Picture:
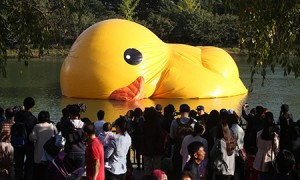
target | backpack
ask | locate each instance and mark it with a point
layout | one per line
(18, 135)
(182, 131)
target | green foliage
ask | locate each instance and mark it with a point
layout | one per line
(269, 31)
(127, 8)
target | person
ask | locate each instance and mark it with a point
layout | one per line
(99, 123)
(153, 139)
(63, 119)
(226, 144)
(6, 149)
(72, 131)
(161, 175)
(285, 163)
(158, 108)
(40, 134)
(199, 130)
(202, 115)
(138, 121)
(287, 131)
(197, 154)
(2, 116)
(106, 137)
(238, 133)
(179, 129)
(116, 153)
(25, 170)
(94, 154)
(168, 117)
(186, 175)
(267, 145)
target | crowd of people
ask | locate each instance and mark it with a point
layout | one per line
(188, 144)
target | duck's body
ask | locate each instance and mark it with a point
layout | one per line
(122, 60)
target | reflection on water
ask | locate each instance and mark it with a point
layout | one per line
(41, 81)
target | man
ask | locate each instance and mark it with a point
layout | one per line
(99, 123)
(197, 153)
(94, 154)
(158, 108)
(180, 128)
(25, 116)
(72, 131)
(202, 115)
(285, 163)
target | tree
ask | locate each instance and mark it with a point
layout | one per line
(270, 30)
(127, 8)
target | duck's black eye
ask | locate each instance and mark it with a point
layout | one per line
(133, 56)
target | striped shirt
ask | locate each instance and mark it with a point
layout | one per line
(5, 128)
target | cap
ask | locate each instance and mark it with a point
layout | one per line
(199, 108)
(161, 175)
(184, 108)
(158, 107)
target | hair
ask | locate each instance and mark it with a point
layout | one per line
(184, 108)
(198, 129)
(169, 110)
(285, 161)
(122, 124)
(194, 147)
(259, 110)
(107, 127)
(225, 132)
(9, 113)
(86, 120)
(74, 110)
(44, 116)
(158, 107)
(89, 128)
(28, 103)
(130, 114)
(100, 114)
(268, 129)
(193, 114)
(232, 119)
(186, 174)
(1, 111)
(284, 108)
(138, 112)
(65, 113)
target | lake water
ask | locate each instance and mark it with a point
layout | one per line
(40, 80)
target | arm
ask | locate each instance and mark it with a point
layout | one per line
(110, 149)
(96, 169)
(33, 135)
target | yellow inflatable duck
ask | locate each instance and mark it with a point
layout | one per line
(122, 60)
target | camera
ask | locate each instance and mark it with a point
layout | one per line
(246, 105)
(82, 107)
(17, 109)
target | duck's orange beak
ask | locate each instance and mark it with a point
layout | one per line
(134, 91)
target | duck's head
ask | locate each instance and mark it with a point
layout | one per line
(111, 55)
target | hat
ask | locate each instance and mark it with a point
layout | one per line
(199, 108)
(158, 107)
(161, 175)
(184, 108)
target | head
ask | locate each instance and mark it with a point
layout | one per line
(130, 114)
(28, 103)
(193, 114)
(186, 175)
(200, 110)
(107, 127)
(100, 115)
(74, 111)
(268, 127)
(285, 162)
(259, 110)
(121, 125)
(284, 108)
(65, 113)
(184, 110)
(158, 107)
(138, 112)
(86, 120)
(44, 116)
(9, 113)
(161, 175)
(199, 129)
(196, 151)
(89, 129)
(232, 119)
(169, 110)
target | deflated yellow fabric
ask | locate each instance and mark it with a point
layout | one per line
(122, 60)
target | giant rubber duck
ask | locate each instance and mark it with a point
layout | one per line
(122, 60)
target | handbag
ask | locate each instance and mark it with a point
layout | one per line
(50, 146)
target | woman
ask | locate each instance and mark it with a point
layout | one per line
(199, 129)
(154, 141)
(40, 134)
(267, 143)
(226, 144)
(117, 151)
(137, 123)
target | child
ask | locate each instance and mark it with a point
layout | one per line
(106, 136)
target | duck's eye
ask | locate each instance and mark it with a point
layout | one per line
(133, 56)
